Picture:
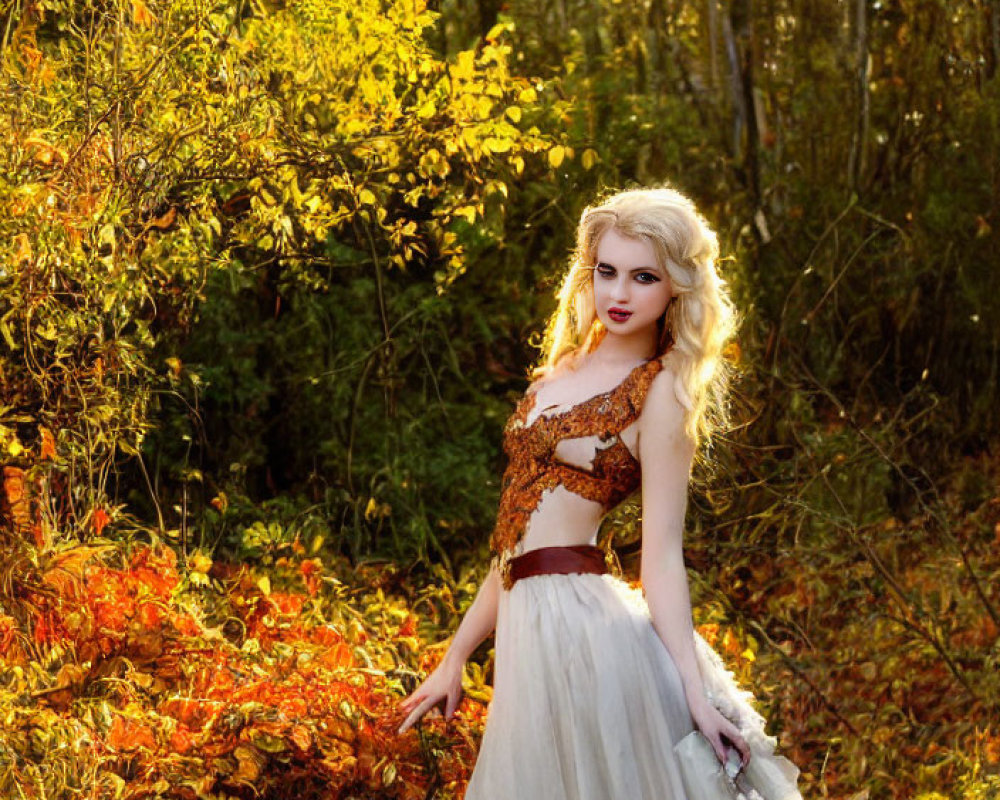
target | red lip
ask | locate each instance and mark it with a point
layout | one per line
(619, 314)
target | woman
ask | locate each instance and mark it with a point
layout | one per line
(601, 693)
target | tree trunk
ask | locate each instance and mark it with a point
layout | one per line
(735, 82)
(713, 43)
(857, 160)
(994, 38)
(737, 27)
(489, 10)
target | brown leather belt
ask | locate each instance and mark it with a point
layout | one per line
(558, 561)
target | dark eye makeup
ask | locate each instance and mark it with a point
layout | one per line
(607, 271)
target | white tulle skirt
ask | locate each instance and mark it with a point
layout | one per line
(588, 705)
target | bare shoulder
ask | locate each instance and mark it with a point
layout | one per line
(662, 416)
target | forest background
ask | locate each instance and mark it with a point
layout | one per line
(271, 277)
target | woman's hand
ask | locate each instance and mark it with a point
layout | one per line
(715, 726)
(444, 683)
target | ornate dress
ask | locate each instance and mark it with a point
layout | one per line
(587, 701)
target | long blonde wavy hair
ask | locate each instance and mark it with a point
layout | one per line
(699, 320)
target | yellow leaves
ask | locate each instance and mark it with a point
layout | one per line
(483, 107)
(466, 212)
(43, 152)
(514, 113)
(370, 89)
(264, 584)
(375, 510)
(199, 562)
(469, 137)
(557, 154)
(291, 191)
(354, 125)
(464, 67)
(7, 335)
(589, 158)
(499, 29)
(47, 331)
(367, 198)
(433, 163)
(495, 187)
(199, 565)
(527, 96)
(495, 144)
(141, 15)
(23, 251)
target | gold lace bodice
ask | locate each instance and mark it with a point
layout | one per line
(533, 466)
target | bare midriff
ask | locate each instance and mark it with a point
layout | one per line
(568, 467)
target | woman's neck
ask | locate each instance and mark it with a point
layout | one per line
(620, 349)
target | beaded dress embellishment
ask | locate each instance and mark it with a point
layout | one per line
(533, 466)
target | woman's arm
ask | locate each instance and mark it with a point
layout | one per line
(445, 682)
(478, 622)
(666, 454)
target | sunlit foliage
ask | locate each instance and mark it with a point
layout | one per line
(268, 274)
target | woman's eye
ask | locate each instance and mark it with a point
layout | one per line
(609, 272)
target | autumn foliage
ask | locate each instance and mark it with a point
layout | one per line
(287, 694)
(131, 674)
(269, 275)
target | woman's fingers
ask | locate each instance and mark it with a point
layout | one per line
(435, 690)
(425, 705)
(406, 702)
(733, 736)
(417, 695)
(740, 744)
(454, 698)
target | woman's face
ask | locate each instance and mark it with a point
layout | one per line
(627, 278)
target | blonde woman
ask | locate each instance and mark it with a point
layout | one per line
(603, 692)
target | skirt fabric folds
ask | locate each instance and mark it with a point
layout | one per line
(588, 705)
